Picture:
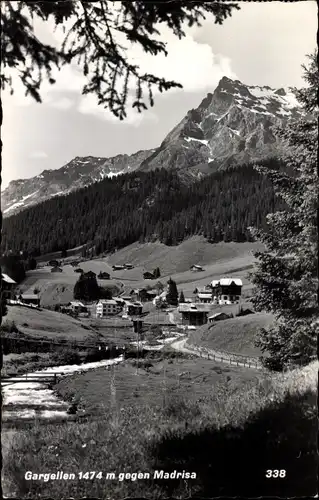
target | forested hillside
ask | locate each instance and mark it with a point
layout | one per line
(144, 206)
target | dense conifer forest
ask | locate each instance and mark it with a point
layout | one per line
(146, 206)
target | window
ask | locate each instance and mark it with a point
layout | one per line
(225, 297)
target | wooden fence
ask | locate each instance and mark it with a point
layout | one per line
(225, 357)
(48, 378)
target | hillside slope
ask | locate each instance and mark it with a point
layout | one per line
(235, 335)
(146, 206)
(47, 324)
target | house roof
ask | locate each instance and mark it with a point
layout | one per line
(30, 296)
(227, 282)
(76, 303)
(7, 278)
(134, 304)
(218, 314)
(107, 301)
(196, 308)
(204, 295)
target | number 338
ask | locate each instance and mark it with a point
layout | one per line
(275, 473)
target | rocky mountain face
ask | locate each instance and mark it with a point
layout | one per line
(78, 173)
(232, 126)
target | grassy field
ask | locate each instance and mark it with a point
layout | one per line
(235, 335)
(218, 260)
(156, 379)
(228, 438)
(47, 324)
(57, 288)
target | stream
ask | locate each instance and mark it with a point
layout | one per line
(29, 400)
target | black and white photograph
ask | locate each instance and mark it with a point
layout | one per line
(159, 249)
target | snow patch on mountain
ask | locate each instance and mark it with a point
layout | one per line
(203, 141)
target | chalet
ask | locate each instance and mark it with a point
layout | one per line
(77, 307)
(56, 269)
(128, 266)
(227, 290)
(103, 275)
(204, 295)
(160, 297)
(106, 307)
(33, 299)
(133, 308)
(195, 267)
(144, 295)
(7, 286)
(194, 314)
(218, 317)
(78, 270)
(148, 276)
(118, 268)
(53, 263)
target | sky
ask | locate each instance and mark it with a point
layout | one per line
(262, 44)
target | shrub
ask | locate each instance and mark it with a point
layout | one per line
(66, 356)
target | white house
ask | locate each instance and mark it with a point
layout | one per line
(106, 307)
(161, 296)
(227, 290)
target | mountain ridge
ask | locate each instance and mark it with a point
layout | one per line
(231, 126)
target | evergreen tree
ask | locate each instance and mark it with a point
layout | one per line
(172, 293)
(114, 211)
(32, 264)
(4, 309)
(86, 288)
(157, 273)
(105, 293)
(181, 297)
(286, 272)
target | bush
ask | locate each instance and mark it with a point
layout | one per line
(66, 356)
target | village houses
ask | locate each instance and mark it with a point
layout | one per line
(7, 286)
(227, 290)
(194, 314)
(107, 307)
(29, 298)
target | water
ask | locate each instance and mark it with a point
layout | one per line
(25, 400)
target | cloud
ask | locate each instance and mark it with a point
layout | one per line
(63, 103)
(88, 105)
(188, 62)
(38, 155)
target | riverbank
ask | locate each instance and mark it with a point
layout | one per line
(29, 400)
